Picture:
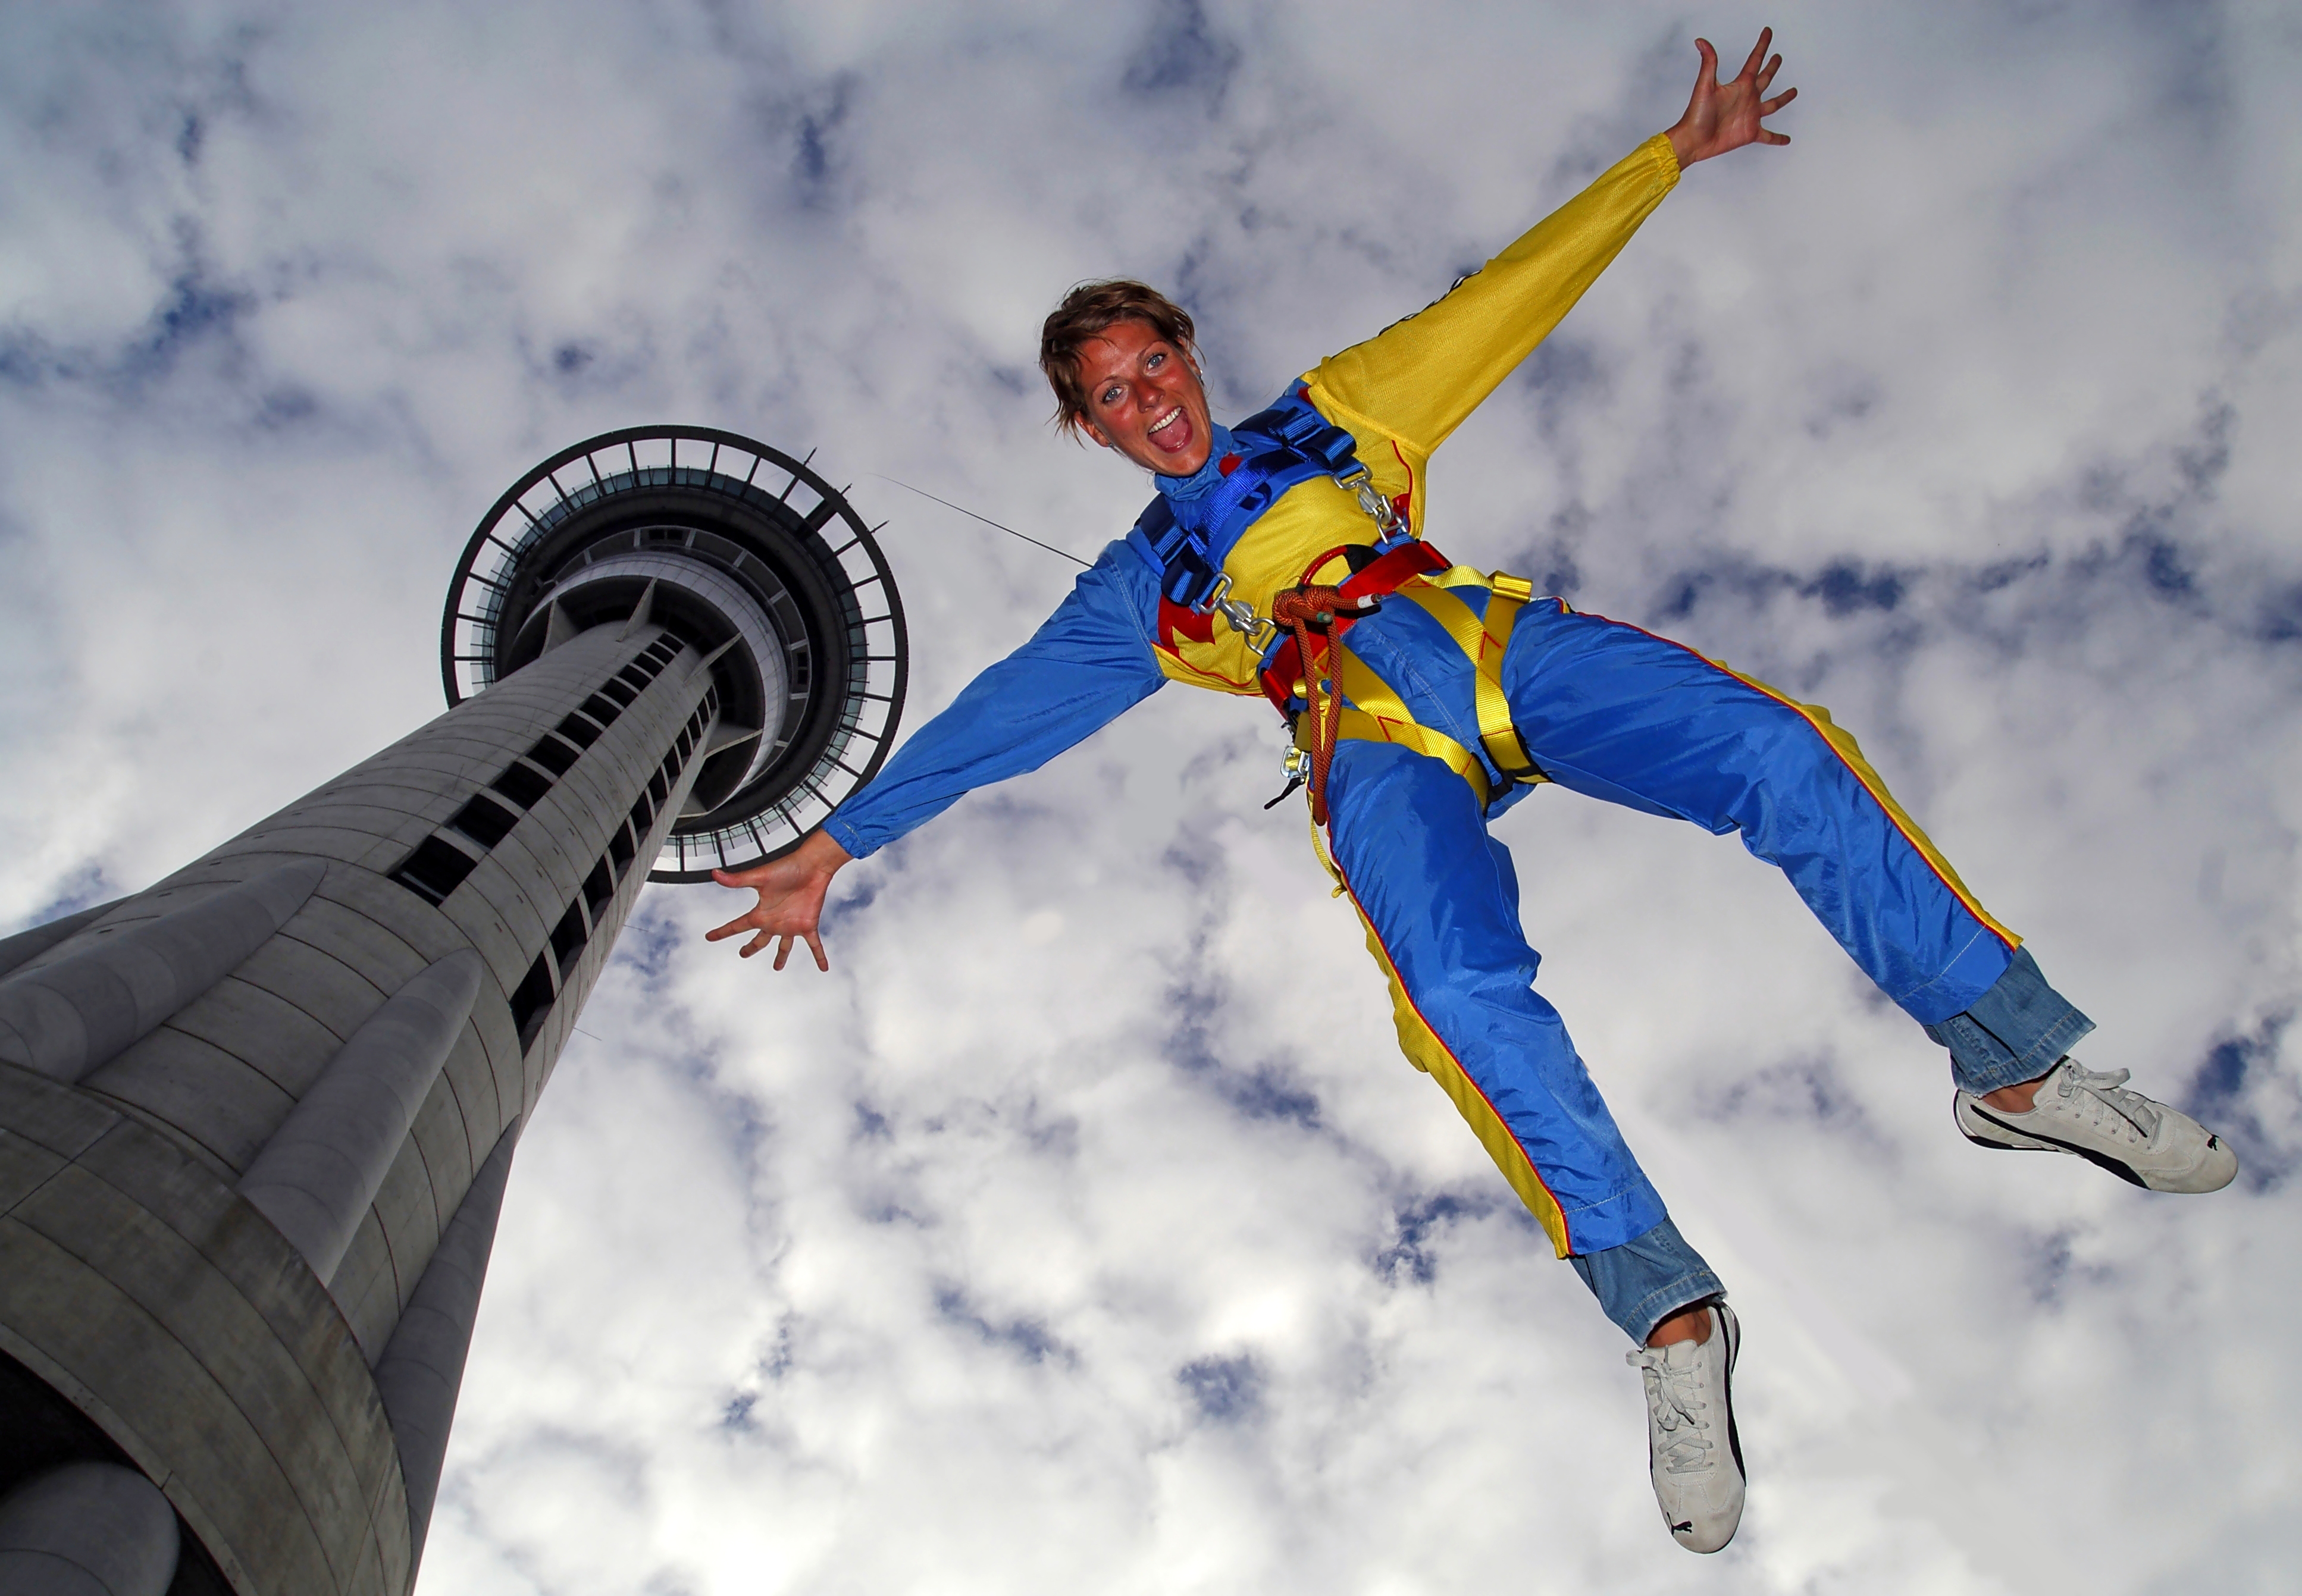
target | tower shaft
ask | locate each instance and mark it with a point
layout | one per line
(292, 1406)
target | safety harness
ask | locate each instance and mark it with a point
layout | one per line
(1305, 677)
(1317, 616)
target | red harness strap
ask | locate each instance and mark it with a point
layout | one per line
(1315, 616)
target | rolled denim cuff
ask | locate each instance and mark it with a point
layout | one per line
(1647, 1279)
(2014, 1032)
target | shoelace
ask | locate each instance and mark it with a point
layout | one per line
(1673, 1409)
(2104, 1087)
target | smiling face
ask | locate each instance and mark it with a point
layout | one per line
(1144, 399)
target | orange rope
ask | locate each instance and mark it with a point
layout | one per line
(1305, 610)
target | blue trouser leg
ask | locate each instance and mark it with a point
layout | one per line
(1440, 903)
(1608, 709)
(1616, 713)
(1613, 711)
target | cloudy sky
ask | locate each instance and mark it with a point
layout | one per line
(1082, 1230)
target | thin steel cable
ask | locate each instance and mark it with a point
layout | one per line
(987, 520)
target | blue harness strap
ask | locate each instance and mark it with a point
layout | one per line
(1186, 543)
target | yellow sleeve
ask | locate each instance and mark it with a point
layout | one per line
(1417, 378)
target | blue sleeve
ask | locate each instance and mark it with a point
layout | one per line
(1089, 663)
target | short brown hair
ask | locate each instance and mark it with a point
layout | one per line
(1087, 311)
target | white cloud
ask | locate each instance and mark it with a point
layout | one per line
(1083, 1229)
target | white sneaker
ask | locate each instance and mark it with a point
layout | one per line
(1692, 1451)
(2089, 1113)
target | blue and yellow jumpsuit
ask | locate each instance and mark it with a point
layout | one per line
(1600, 707)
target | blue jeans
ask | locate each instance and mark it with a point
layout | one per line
(2016, 1031)
(1646, 1279)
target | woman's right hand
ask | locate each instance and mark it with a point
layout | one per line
(791, 898)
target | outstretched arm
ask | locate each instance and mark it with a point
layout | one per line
(1724, 116)
(1080, 670)
(1415, 381)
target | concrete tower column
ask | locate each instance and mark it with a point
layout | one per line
(256, 1121)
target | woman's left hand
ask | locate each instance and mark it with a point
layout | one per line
(1724, 116)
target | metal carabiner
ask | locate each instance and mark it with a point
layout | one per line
(1359, 481)
(1256, 631)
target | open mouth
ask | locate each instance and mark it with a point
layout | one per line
(1173, 434)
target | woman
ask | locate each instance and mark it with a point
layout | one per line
(1281, 557)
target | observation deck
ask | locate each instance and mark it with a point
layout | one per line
(737, 549)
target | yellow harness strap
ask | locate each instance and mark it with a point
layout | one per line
(1373, 713)
(1482, 641)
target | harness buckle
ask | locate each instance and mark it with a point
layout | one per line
(1258, 631)
(1359, 481)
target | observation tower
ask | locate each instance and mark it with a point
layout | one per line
(255, 1121)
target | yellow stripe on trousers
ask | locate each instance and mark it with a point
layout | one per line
(1428, 1054)
(1842, 744)
(1376, 712)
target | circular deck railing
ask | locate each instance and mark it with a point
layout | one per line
(729, 510)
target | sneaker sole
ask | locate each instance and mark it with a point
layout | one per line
(2030, 1141)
